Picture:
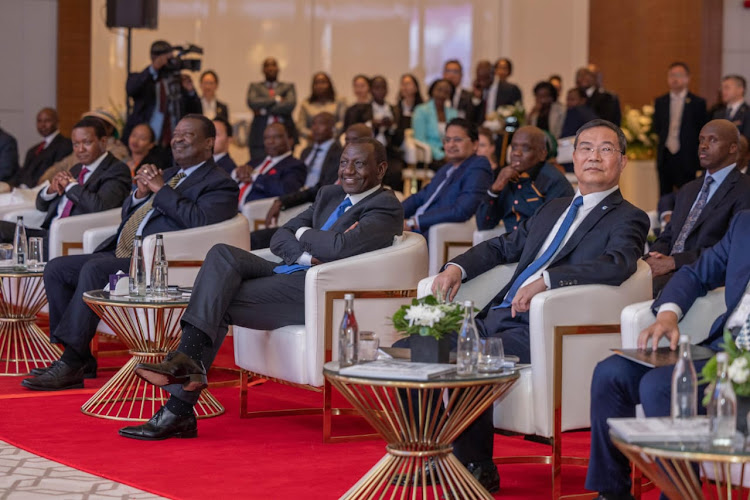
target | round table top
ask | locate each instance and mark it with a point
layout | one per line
(450, 379)
(19, 272)
(738, 452)
(173, 299)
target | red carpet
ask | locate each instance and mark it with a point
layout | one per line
(280, 458)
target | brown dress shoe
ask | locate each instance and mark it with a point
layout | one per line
(176, 368)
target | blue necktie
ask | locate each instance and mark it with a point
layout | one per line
(547, 255)
(293, 268)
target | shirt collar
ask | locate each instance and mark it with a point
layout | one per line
(277, 159)
(593, 199)
(533, 171)
(590, 91)
(356, 198)
(95, 163)
(190, 170)
(734, 107)
(219, 156)
(49, 138)
(720, 175)
(680, 95)
(323, 147)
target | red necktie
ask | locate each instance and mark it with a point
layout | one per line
(69, 204)
(40, 148)
(246, 185)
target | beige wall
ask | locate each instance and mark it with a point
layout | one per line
(345, 37)
(736, 50)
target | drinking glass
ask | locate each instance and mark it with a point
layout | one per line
(6, 254)
(491, 355)
(35, 258)
(368, 346)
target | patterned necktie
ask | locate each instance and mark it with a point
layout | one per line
(547, 255)
(40, 148)
(69, 204)
(312, 175)
(125, 244)
(293, 268)
(695, 213)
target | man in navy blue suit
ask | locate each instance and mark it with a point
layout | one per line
(194, 193)
(458, 187)
(618, 385)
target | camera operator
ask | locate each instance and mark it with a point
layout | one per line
(161, 94)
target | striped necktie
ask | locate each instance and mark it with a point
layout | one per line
(125, 244)
(695, 213)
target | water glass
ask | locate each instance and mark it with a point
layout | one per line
(491, 355)
(35, 258)
(160, 279)
(368, 346)
(6, 254)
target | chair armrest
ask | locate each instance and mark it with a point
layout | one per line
(481, 289)
(92, 238)
(32, 217)
(480, 236)
(255, 212)
(442, 237)
(290, 213)
(68, 232)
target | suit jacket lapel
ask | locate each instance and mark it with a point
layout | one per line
(719, 196)
(537, 237)
(106, 162)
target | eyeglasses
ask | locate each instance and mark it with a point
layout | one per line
(455, 140)
(604, 151)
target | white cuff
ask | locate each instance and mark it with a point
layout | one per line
(138, 201)
(547, 282)
(489, 192)
(671, 306)
(70, 185)
(463, 271)
(305, 259)
(300, 232)
(47, 197)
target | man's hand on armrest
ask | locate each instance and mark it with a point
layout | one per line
(664, 326)
(446, 284)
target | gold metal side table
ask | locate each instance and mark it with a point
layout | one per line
(670, 466)
(419, 450)
(23, 345)
(149, 328)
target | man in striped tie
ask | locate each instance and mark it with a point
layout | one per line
(239, 288)
(193, 193)
(595, 237)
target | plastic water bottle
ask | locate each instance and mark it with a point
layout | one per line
(684, 384)
(159, 269)
(348, 334)
(137, 277)
(467, 353)
(20, 244)
(722, 409)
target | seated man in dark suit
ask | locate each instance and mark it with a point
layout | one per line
(277, 174)
(239, 288)
(703, 207)
(221, 146)
(41, 156)
(618, 385)
(524, 185)
(8, 156)
(192, 194)
(594, 238)
(735, 109)
(98, 182)
(458, 187)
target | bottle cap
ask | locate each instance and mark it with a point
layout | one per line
(722, 357)
(159, 236)
(684, 339)
(468, 303)
(348, 296)
(137, 237)
(20, 218)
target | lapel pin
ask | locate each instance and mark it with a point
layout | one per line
(604, 207)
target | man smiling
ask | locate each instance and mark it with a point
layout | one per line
(349, 219)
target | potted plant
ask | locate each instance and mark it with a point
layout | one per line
(739, 373)
(429, 324)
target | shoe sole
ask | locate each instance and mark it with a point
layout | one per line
(189, 383)
(51, 389)
(179, 435)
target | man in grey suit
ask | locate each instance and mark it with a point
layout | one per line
(271, 101)
(239, 288)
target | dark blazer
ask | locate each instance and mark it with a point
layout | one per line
(105, 189)
(693, 118)
(604, 249)
(575, 118)
(222, 110)
(362, 113)
(459, 198)
(606, 105)
(207, 196)
(159, 156)
(329, 175)
(287, 176)
(263, 106)
(35, 165)
(141, 87)
(732, 196)
(507, 93)
(725, 264)
(226, 163)
(741, 118)
(466, 108)
(380, 218)
(8, 156)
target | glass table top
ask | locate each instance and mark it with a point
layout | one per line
(173, 298)
(20, 271)
(451, 377)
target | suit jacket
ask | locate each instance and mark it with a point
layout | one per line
(724, 264)
(555, 119)
(458, 199)
(106, 188)
(141, 87)
(35, 165)
(575, 118)
(226, 163)
(8, 156)
(286, 176)
(329, 175)
(263, 106)
(466, 108)
(207, 196)
(741, 118)
(507, 94)
(604, 249)
(424, 121)
(693, 118)
(606, 105)
(732, 196)
(362, 113)
(380, 218)
(222, 110)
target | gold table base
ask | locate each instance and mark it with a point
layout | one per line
(23, 345)
(150, 331)
(419, 460)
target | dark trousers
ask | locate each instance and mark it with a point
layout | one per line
(675, 170)
(617, 386)
(235, 287)
(72, 322)
(8, 231)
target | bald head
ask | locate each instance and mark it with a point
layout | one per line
(357, 131)
(718, 144)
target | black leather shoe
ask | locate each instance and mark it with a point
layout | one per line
(176, 368)
(89, 369)
(486, 474)
(163, 425)
(404, 480)
(59, 377)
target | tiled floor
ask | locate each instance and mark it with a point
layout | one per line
(24, 476)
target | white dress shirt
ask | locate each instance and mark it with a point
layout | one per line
(209, 108)
(61, 206)
(314, 170)
(676, 107)
(257, 172)
(49, 138)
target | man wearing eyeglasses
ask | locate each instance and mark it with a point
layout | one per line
(458, 187)
(595, 237)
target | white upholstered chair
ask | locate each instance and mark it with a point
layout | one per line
(415, 153)
(66, 235)
(480, 236)
(295, 354)
(255, 212)
(447, 240)
(570, 330)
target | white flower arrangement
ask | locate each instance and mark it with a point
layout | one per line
(428, 317)
(637, 125)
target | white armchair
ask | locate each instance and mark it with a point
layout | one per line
(443, 240)
(255, 212)
(32, 217)
(67, 234)
(295, 354)
(480, 236)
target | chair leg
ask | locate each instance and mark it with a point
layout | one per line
(243, 393)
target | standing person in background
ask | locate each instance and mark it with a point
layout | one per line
(430, 119)
(361, 89)
(322, 99)
(605, 104)
(735, 108)
(502, 92)
(212, 107)
(547, 114)
(461, 98)
(556, 81)
(409, 97)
